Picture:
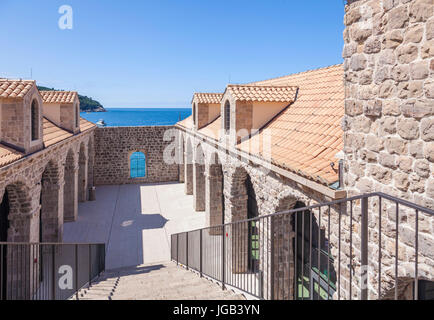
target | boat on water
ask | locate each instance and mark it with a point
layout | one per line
(101, 123)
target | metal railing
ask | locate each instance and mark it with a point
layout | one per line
(48, 271)
(350, 248)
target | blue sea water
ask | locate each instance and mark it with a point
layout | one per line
(133, 117)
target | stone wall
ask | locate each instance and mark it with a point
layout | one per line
(228, 173)
(389, 122)
(113, 147)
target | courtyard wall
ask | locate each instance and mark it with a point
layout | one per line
(114, 146)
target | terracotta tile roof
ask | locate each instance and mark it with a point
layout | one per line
(266, 93)
(58, 96)
(208, 97)
(8, 155)
(306, 136)
(213, 129)
(53, 134)
(187, 122)
(15, 88)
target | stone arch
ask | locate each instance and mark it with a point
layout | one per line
(279, 238)
(199, 179)
(82, 173)
(70, 198)
(188, 171)
(51, 213)
(214, 195)
(20, 205)
(242, 202)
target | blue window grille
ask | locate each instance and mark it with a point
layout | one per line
(138, 165)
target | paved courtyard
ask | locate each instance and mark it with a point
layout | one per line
(135, 222)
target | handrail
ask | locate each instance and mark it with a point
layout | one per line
(330, 203)
(48, 270)
(257, 252)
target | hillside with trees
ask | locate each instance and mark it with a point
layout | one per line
(86, 104)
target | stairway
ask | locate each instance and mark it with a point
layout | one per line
(164, 281)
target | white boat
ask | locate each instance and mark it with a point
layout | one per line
(101, 123)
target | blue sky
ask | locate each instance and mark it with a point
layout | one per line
(140, 53)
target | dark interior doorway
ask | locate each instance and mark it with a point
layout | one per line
(253, 230)
(4, 226)
(315, 273)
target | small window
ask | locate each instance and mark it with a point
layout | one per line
(194, 113)
(35, 120)
(227, 116)
(138, 165)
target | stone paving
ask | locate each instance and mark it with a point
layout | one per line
(135, 222)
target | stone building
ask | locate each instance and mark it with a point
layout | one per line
(317, 136)
(46, 161)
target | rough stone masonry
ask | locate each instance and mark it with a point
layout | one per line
(389, 121)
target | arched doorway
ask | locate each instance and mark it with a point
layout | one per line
(243, 205)
(188, 168)
(70, 193)
(253, 227)
(82, 174)
(315, 279)
(4, 226)
(199, 180)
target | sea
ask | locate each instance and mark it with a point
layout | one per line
(134, 117)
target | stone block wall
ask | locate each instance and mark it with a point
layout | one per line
(113, 147)
(389, 120)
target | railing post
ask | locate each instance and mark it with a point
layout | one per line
(90, 265)
(177, 249)
(200, 254)
(53, 276)
(76, 271)
(364, 249)
(186, 242)
(223, 256)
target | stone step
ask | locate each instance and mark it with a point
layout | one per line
(150, 283)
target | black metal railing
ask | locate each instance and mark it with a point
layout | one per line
(48, 271)
(350, 248)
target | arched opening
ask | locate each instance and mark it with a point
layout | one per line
(253, 227)
(137, 165)
(199, 180)
(82, 174)
(188, 163)
(4, 227)
(34, 118)
(243, 200)
(316, 278)
(214, 190)
(51, 214)
(70, 193)
(227, 114)
(16, 215)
